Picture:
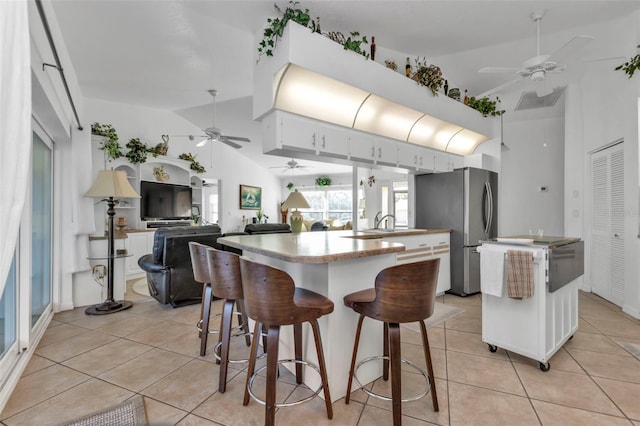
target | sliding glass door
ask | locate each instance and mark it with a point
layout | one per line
(41, 224)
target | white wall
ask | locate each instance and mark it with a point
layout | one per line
(535, 159)
(220, 161)
(603, 108)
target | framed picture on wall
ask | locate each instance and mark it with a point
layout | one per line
(250, 197)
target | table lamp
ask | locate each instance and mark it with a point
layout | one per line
(296, 201)
(110, 185)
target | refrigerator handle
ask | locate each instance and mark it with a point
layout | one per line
(488, 207)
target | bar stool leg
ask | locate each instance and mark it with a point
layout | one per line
(385, 351)
(297, 339)
(257, 330)
(427, 357)
(243, 320)
(353, 358)
(225, 338)
(323, 368)
(205, 311)
(273, 339)
(396, 379)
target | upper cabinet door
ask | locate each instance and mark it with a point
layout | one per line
(426, 159)
(361, 147)
(407, 156)
(386, 151)
(332, 141)
(298, 133)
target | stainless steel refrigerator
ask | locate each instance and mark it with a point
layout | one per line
(465, 201)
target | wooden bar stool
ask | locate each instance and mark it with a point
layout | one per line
(226, 283)
(201, 274)
(273, 300)
(402, 293)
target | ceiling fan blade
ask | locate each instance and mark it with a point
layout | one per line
(224, 140)
(499, 70)
(237, 138)
(570, 48)
(499, 88)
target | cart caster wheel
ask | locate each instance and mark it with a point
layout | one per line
(492, 348)
(544, 366)
(571, 337)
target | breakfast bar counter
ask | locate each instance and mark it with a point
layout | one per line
(333, 264)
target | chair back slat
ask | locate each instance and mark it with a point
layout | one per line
(405, 293)
(269, 294)
(224, 269)
(199, 262)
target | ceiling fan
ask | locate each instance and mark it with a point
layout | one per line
(291, 165)
(537, 67)
(215, 134)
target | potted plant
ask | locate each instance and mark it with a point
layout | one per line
(110, 145)
(486, 106)
(276, 26)
(195, 166)
(290, 186)
(138, 151)
(160, 174)
(428, 75)
(323, 181)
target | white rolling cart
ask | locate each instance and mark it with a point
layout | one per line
(535, 327)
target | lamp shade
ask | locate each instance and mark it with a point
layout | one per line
(295, 201)
(112, 183)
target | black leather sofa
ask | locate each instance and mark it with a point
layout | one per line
(168, 268)
(267, 228)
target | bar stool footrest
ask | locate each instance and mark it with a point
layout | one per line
(386, 398)
(217, 348)
(199, 324)
(285, 404)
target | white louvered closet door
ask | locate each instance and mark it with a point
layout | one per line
(607, 231)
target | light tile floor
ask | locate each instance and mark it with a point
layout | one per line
(87, 363)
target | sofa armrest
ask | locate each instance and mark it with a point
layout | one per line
(146, 264)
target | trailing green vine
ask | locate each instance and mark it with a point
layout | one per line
(276, 26)
(486, 106)
(631, 66)
(138, 151)
(195, 166)
(323, 181)
(111, 146)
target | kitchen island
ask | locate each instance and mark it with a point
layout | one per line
(333, 264)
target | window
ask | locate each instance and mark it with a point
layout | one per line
(401, 204)
(332, 203)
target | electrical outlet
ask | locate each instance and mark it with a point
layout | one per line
(99, 271)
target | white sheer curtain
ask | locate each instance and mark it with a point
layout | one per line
(15, 125)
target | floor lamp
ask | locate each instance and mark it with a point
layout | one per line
(110, 185)
(296, 201)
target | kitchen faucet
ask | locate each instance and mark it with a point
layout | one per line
(377, 221)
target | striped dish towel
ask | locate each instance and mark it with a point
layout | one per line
(519, 274)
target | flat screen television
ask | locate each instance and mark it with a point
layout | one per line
(164, 201)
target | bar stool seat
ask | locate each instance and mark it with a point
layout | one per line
(273, 300)
(402, 293)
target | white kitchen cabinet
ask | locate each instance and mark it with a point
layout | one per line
(297, 133)
(138, 244)
(361, 147)
(407, 155)
(385, 151)
(426, 159)
(424, 247)
(332, 141)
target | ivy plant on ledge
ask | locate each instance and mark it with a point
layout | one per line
(111, 146)
(195, 166)
(487, 107)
